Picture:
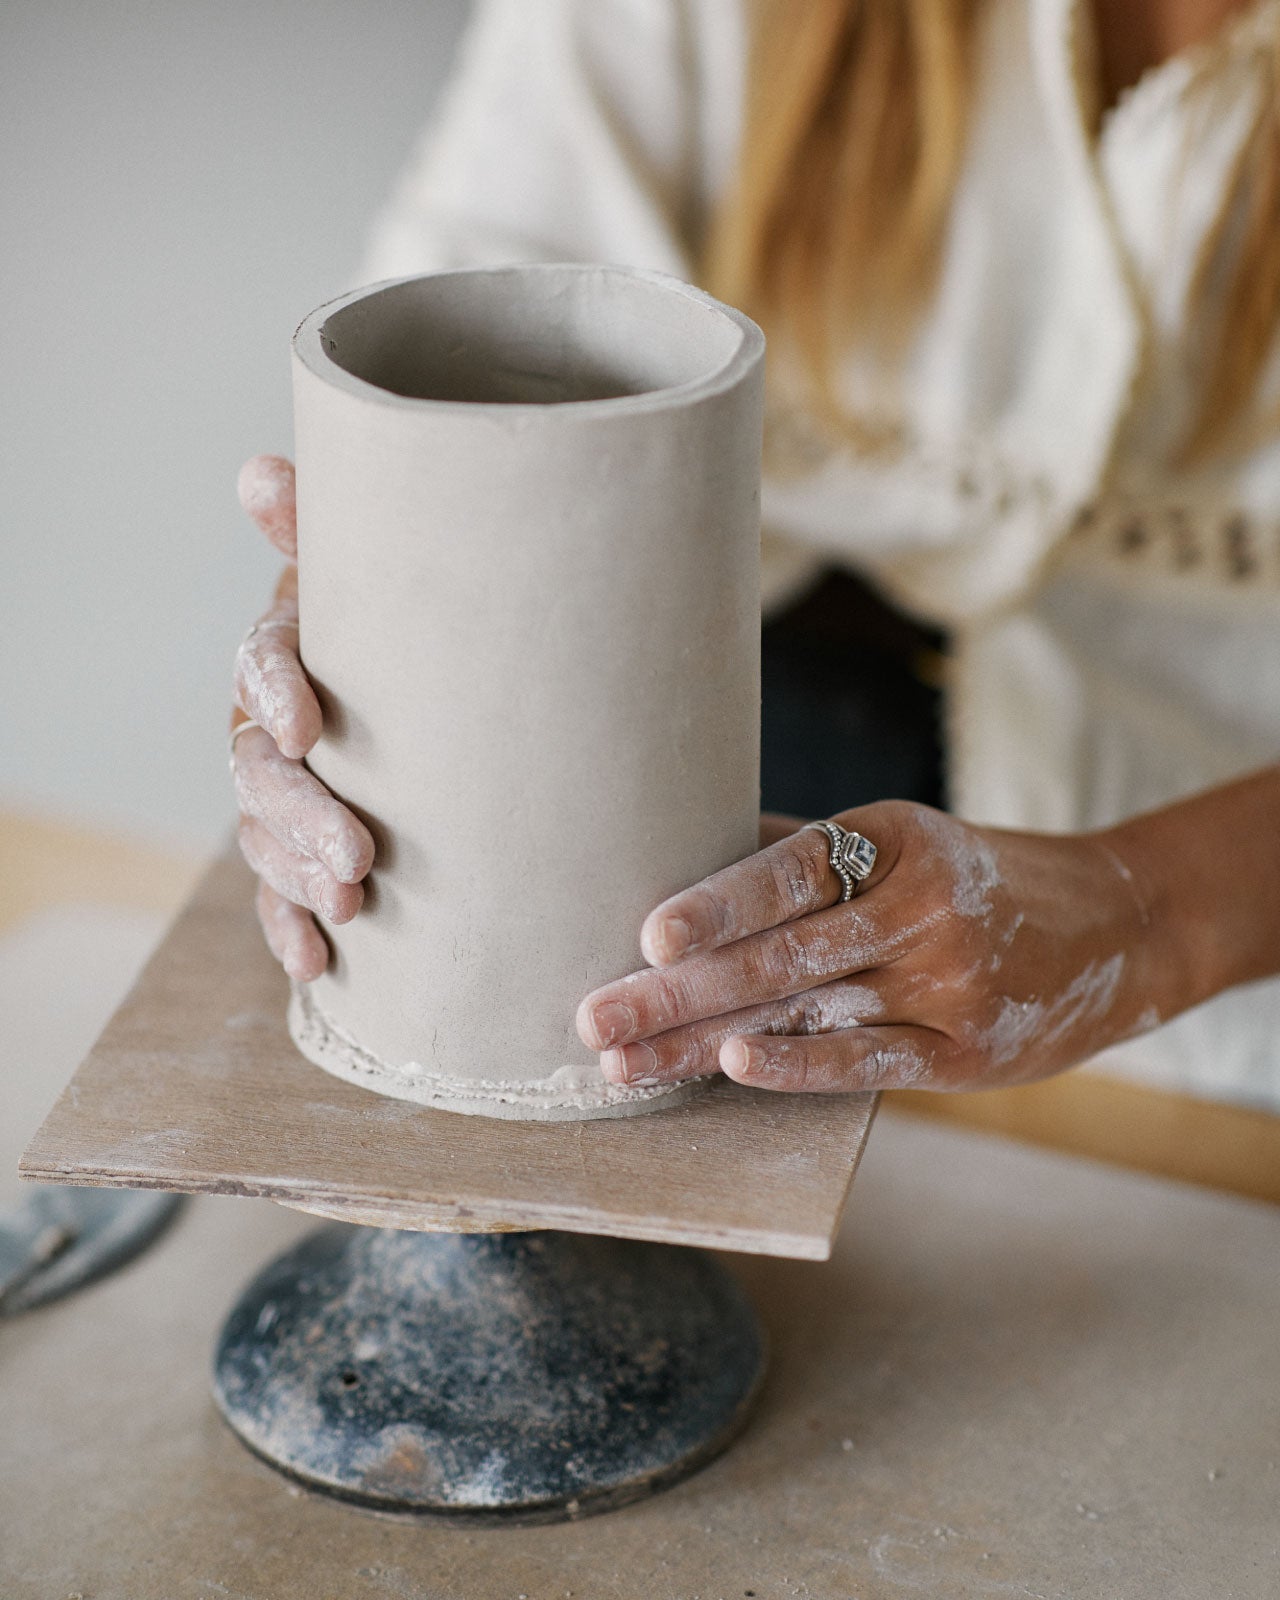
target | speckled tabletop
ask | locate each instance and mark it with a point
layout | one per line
(1020, 1374)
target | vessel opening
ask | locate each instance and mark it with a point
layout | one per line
(530, 336)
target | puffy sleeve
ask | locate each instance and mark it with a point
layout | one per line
(582, 130)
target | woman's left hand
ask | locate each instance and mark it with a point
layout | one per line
(969, 958)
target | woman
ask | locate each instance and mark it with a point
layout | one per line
(1020, 266)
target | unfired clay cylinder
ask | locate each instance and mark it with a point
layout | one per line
(528, 559)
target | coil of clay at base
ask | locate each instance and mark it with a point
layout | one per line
(570, 1093)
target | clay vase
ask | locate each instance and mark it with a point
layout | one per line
(528, 560)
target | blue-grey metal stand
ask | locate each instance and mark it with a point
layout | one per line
(516, 1376)
(56, 1240)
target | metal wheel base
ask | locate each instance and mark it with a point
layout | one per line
(516, 1376)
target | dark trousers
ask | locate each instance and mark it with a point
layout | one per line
(852, 707)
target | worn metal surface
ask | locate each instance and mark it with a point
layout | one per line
(534, 1377)
(55, 1240)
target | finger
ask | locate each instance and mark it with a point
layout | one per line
(291, 935)
(268, 492)
(694, 1051)
(831, 944)
(788, 879)
(298, 878)
(297, 808)
(844, 1062)
(270, 685)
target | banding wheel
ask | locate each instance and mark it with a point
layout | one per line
(503, 1376)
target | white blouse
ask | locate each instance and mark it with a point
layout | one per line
(1116, 616)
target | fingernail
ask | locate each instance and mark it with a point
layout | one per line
(635, 1064)
(612, 1022)
(738, 1059)
(263, 482)
(677, 938)
(334, 905)
(341, 856)
(295, 962)
(288, 739)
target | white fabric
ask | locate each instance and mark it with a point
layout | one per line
(1117, 616)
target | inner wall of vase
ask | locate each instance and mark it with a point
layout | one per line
(541, 337)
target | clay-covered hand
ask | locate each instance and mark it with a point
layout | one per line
(309, 851)
(970, 957)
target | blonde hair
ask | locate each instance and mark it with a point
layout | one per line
(857, 112)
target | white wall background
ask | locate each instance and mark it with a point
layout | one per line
(180, 184)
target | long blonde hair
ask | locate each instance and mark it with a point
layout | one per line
(855, 127)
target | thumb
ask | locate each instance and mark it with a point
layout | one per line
(267, 493)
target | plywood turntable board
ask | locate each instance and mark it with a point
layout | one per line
(196, 1086)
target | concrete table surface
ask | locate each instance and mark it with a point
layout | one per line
(1020, 1374)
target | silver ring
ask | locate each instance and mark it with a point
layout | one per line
(851, 856)
(240, 727)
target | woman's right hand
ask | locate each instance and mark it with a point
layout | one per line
(309, 851)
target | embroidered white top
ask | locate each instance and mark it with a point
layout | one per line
(1116, 615)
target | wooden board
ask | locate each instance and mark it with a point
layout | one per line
(195, 1085)
(1133, 1125)
(1087, 1112)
